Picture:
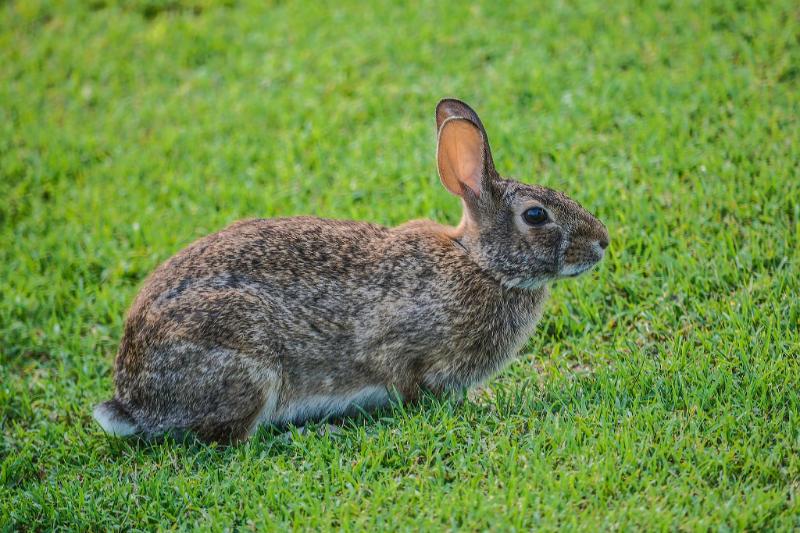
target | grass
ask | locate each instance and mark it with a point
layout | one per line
(659, 392)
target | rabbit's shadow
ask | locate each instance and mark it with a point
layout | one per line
(271, 440)
(506, 398)
(526, 403)
(184, 451)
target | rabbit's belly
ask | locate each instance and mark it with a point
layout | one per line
(321, 406)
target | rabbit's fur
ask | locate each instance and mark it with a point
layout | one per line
(288, 320)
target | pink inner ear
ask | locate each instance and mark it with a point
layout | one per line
(460, 156)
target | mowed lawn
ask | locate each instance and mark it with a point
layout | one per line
(659, 392)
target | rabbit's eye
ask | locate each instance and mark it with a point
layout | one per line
(535, 216)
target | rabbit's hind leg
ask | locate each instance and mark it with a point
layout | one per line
(243, 401)
(216, 392)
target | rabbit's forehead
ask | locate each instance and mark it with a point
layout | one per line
(522, 195)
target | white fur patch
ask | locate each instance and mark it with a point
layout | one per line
(323, 405)
(531, 284)
(520, 283)
(111, 424)
(267, 414)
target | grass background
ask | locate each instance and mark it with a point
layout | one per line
(659, 392)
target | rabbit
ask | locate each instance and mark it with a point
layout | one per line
(290, 320)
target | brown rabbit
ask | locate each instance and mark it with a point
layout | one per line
(288, 320)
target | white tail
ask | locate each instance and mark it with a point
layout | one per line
(114, 420)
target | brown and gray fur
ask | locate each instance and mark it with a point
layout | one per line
(288, 320)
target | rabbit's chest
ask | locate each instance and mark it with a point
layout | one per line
(484, 343)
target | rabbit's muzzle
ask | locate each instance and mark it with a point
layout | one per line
(584, 253)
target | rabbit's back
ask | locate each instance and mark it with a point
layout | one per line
(258, 284)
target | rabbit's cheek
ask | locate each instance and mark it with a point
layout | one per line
(545, 248)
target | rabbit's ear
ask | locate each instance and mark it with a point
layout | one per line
(453, 108)
(461, 155)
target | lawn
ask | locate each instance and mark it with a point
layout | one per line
(659, 392)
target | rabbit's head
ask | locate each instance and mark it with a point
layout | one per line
(526, 235)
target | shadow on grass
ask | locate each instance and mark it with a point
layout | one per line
(273, 439)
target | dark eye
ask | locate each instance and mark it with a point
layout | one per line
(535, 216)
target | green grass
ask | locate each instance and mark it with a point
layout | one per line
(661, 391)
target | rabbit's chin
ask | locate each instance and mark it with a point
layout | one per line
(573, 271)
